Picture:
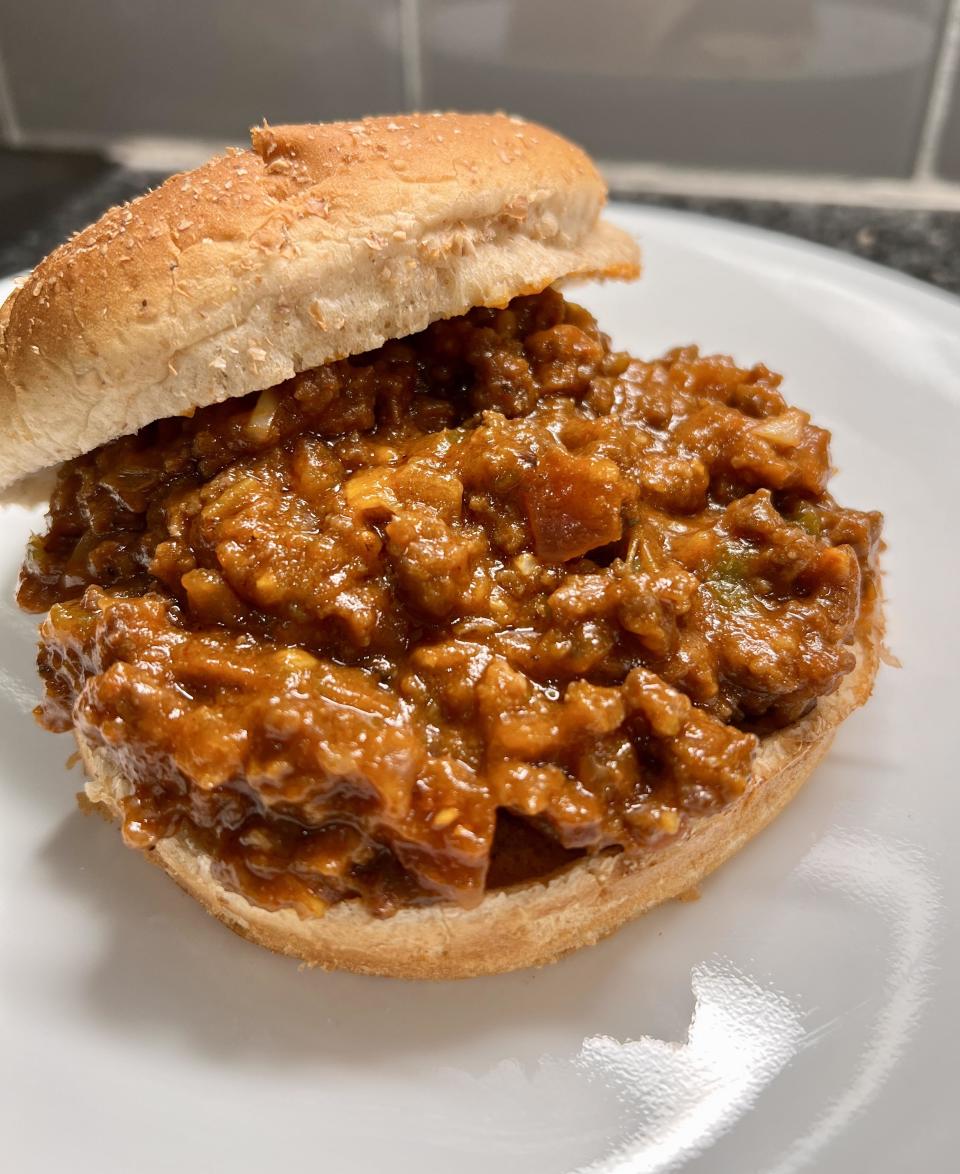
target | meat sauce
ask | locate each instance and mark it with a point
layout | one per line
(451, 613)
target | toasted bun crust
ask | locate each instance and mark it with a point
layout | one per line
(534, 923)
(317, 243)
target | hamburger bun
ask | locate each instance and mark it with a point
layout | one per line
(317, 243)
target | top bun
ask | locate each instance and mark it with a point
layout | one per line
(317, 243)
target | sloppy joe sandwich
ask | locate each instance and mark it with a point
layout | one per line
(410, 626)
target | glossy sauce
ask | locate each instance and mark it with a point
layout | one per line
(333, 629)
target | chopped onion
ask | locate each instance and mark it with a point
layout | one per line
(261, 418)
(370, 491)
(785, 430)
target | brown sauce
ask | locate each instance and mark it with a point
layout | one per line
(494, 590)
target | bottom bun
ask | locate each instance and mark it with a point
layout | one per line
(533, 923)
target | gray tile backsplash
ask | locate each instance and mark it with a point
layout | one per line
(819, 87)
(100, 69)
(802, 85)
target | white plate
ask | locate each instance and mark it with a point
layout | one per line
(800, 1016)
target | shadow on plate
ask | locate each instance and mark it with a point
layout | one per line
(166, 964)
(34, 762)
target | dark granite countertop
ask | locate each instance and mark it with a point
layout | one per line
(922, 242)
(45, 196)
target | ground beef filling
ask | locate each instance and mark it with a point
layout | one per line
(449, 614)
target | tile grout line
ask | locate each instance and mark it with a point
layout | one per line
(665, 179)
(411, 57)
(9, 123)
(941, 91)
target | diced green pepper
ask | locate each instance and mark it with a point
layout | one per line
(806, 517)
(729, 575)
